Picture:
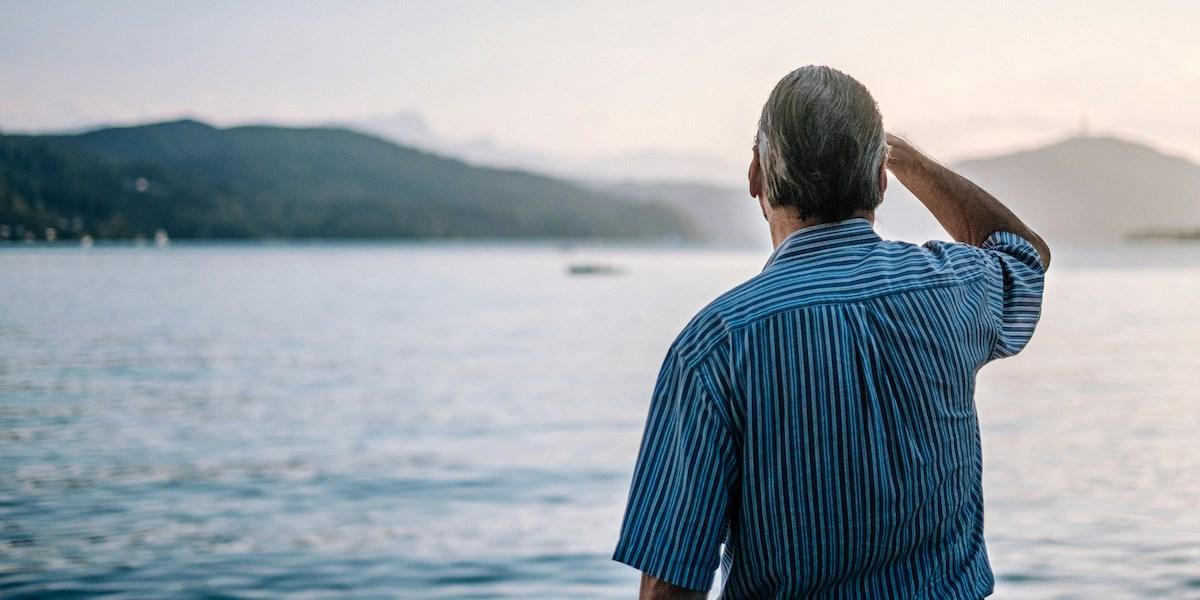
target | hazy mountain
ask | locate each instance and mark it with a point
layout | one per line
(1083, 189)
(721, 215)
(1080, 189)
(1093, 188)
(404, 128)
(409, 128)
(654, 166)
(727, 215)
(250, 182)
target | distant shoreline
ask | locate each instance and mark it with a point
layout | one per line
(565, 244)
(1171, 235)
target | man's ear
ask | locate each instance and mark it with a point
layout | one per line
(755, 176)
(882, 179)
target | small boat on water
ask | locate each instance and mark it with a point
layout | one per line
(592, 269)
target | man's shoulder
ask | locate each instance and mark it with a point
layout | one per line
(885, 268)
(711, 325)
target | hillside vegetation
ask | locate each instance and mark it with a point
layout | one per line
(198, 181)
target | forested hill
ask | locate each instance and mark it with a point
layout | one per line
(197, 181)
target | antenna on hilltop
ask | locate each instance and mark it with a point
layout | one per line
(1083, 126)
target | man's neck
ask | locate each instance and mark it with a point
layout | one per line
(785, 222)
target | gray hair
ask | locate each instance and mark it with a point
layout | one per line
(821, 144)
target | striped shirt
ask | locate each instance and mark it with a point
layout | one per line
(818, 421)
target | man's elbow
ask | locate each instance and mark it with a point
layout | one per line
(654, 588)
(1043, 251)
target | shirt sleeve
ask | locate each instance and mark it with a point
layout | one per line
(1015, 279)
(676, 514)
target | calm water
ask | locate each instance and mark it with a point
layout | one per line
(461, 421)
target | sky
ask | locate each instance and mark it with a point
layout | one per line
(593, 79)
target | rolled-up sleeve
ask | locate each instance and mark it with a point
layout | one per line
(1015, 279)
(676, 514)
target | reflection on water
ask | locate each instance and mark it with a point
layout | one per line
(441, 421)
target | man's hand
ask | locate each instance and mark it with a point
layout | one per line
(899, 152)
(654, 588)
(968, 213)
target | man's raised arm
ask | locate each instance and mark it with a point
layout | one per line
(967, 212)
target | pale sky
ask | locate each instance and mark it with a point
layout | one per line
(592, 79)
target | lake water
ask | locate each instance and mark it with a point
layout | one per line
(441, 421)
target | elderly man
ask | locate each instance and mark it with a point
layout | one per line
(818, 420)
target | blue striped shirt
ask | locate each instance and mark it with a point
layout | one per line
(818, 421)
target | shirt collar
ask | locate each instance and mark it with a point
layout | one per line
(851, 232)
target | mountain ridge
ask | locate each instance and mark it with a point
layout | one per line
(258, 181)
(261, 180)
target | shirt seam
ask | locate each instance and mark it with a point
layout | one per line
(699, 368)
(730, 327)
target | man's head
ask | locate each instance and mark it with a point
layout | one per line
(821, 150)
